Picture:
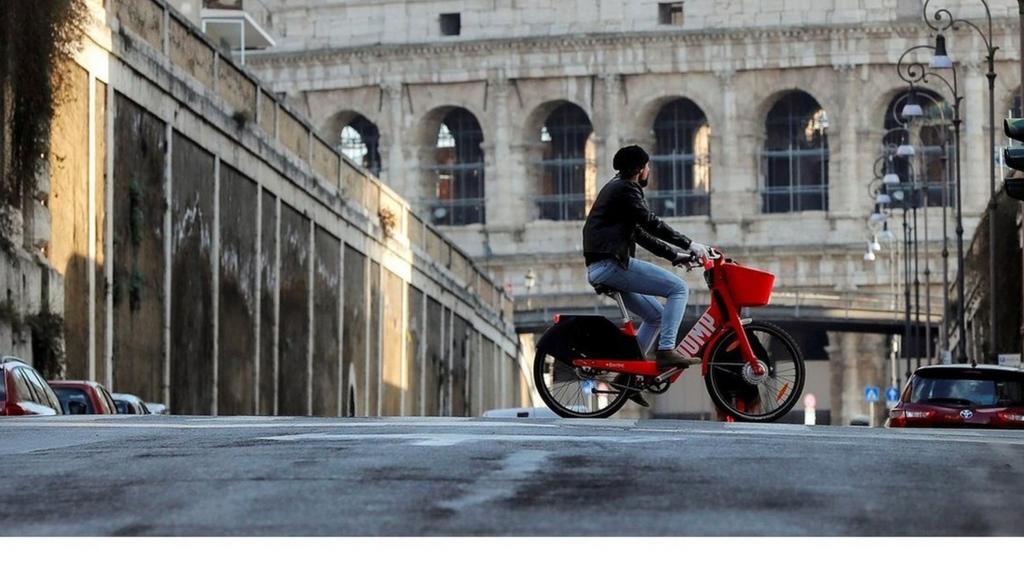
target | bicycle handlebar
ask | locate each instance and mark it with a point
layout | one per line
(693, 261)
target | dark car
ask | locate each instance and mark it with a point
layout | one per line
(83, 397)
(23, 392)
(961, 396)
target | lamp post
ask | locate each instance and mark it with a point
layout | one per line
(529, 281)
(914, 73)
(912, 114)
(943, 21)
(893, 196)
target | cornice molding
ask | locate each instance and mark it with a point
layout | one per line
(687, 38)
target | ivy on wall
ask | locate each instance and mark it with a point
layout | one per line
(37, 39)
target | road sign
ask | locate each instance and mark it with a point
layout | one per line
(871, 394)
(892, 397)
(1012, 360)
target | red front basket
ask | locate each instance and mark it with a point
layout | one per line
(748, 286)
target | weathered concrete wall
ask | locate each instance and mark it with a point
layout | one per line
(233, 274)
(460, 366)
(101, 286)
(69, 214)
(415, 338)
(327, 325)
(268, 287)
(355, 346)
(392, 345)
(436, 369)
(138, 249)
(192, 221)
(373, 369)
(293, 371)
(236, 312)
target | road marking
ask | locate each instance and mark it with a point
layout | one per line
(216, 423)
(501, 483)
(446, 439)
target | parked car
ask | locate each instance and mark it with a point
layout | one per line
(24, 392)
(962, 396)
(130, 404)
(83, 397)
(156, 408)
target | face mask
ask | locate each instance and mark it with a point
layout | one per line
(642, 182)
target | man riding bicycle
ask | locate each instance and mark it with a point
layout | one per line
(618, 221)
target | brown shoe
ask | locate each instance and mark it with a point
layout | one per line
(667, 359)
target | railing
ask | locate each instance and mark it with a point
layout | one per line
(560, 207)
(454, 211)
(673, 203)
(780, 199)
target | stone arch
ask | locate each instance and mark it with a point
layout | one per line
(357, 137)
(452, 160)
(680, 158)
(561, 158)
(932, 164)
(794, 153)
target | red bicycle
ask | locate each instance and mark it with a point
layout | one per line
(587, 367)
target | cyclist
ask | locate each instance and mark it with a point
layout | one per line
(618, 221)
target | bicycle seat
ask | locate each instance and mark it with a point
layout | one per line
(602, 289)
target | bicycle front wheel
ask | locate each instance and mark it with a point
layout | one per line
(573, 392)
(738, 391)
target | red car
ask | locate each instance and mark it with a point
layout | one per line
(961, 396)
(23, 392)
(83, 397)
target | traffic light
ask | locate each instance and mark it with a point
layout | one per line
(1014, 157)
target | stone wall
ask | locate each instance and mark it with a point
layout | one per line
(245, 267)
(367, 22)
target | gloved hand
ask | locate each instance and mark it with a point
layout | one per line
(701, 251)
(682, 258)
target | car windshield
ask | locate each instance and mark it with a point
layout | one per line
(968, 391)
(68, 395)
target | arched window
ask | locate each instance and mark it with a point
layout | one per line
(933, 164)
(794, 162)
(359, 140)
(568, 164)
(459, 170)
(681, 164)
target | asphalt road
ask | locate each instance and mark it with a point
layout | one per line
(160, 475)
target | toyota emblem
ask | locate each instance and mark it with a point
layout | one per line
(966, 414)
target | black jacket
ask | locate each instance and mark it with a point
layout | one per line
(619, 220)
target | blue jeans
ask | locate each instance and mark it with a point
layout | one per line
(639, 284)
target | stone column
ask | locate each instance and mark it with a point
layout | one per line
(607, 124)
(857, 361)
(733, 187)
(505, 200)
(844, 183)
(974, 145)
(395, 171)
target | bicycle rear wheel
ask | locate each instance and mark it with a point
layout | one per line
(573, 392)
(747, 397)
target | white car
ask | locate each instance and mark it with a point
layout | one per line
(129, 404)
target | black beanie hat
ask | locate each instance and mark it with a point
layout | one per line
(630, 159)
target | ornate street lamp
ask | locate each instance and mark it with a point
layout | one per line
(941, 21)
(914, 73)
